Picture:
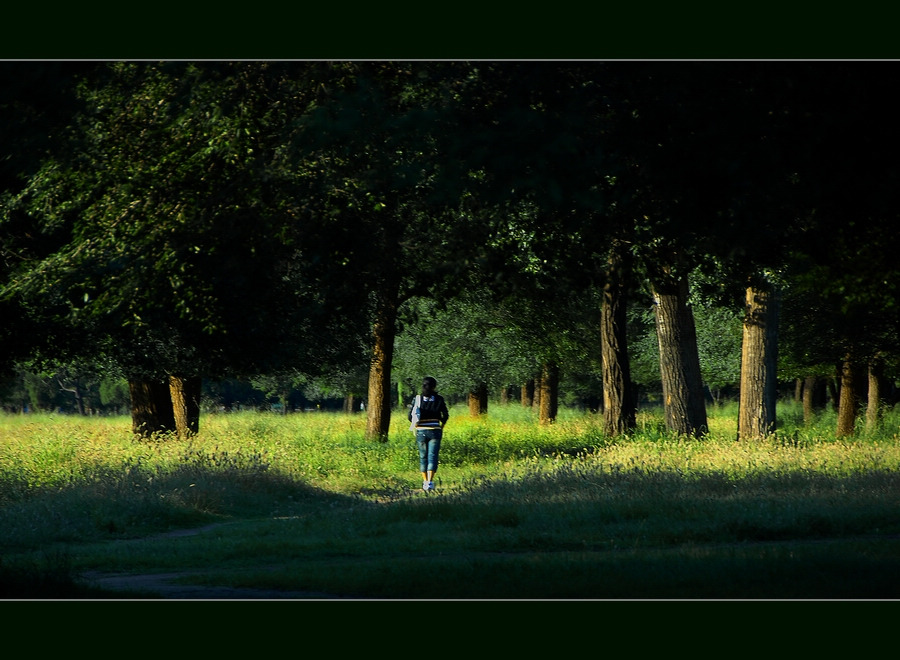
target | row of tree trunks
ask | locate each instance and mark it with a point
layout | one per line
(679, 361)
(527, 393)
(814, 395)
(817, 391)
(685, 405)
(866, 383)
(165, 406)
(758, 395)
(350, 404)
(541, 393)
(619, 404)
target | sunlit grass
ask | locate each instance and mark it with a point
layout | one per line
(310, 504)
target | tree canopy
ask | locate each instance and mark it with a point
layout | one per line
(283, 219)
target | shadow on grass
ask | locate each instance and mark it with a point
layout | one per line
(43, 528)
(573, 532)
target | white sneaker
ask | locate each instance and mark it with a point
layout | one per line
(427, 485)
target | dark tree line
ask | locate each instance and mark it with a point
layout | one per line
(177, 220)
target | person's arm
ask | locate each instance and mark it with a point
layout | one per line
(444, 413)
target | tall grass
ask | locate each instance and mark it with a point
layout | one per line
(522, 510)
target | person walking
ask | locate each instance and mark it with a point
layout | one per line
(427, 416)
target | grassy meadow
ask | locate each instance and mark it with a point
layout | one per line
(302, 504)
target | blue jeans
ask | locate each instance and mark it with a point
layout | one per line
(429, 443)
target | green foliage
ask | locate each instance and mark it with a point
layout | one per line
(463, 343)
(177, 217)
(719, 332)
(719, 335)
(114, 392)
(810, 346)
(643, 347)
(71, 388)
(475, 338)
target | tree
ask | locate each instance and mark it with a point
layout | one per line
(534, 137)
(384, 145)
(679, 358)
(844, 265)
(180, 214)
(468, 343)
(711, 152)
(759, 362)
(37, 100)
(619, 404)
(549, 402)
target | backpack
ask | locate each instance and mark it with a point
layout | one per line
(414, 413)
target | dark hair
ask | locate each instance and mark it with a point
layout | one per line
(430, 380)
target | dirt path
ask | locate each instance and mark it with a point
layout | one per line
(166, 585)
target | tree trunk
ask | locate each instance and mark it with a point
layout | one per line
(875, 396)
(349, 406)
(528, 394)
(619, 405)
(814, 395)
(538, 390)
(850, 397)
(76, 392)
(504, 395)
(185, 395)
(759, 347)
(478, 400)
(834, 388)
(151, 407)
(549, 401)
(384, 329)
(679, 359)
